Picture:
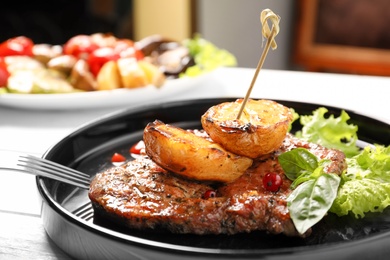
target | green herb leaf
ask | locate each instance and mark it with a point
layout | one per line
(297, 161)
(311, 200)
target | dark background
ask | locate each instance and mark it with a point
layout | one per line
(54, 22)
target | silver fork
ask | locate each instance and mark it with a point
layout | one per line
(30, 164)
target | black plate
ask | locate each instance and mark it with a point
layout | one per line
(69, 221)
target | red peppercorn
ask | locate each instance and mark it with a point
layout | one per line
(272, 182)
(210, 194)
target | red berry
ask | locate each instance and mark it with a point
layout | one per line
(210, 194)
(272, 182)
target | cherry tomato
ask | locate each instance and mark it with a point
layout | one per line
(100, 56)
(80, 46)
(20, 45)
(137, 148)
(121, 49)
(117, 157)
(126, 49)
(272, 182)
(4, 74)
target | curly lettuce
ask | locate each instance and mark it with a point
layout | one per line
(207, 56)
(366, 184)
(332, 132)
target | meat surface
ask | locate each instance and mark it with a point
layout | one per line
(142, 195)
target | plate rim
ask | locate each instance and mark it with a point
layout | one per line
(102, 98)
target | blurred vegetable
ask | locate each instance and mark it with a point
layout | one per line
(81, 77)
(17, 46)
(126, 48)
(207, 56)
(131, 65)
(37, 81)
(131, 73)
(80, 46)
(120, 49)
(99, 57)
(4, 74)
(109, 77)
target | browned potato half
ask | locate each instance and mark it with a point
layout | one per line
(108, 77)
(153, 74)
(62, 63)
(260, 130)
(132, 75)
(190, 155)
(44, 52)
(81, 77)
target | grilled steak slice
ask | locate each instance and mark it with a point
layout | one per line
(142, 195)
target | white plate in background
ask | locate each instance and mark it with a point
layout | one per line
(101, 99)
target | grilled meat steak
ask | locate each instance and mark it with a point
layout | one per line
(142, 195)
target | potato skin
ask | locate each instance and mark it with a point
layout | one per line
(260, 130)
(190, 155)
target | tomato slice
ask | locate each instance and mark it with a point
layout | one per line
(117, 157)
(20, 45)
(80, 46)
(137, 148)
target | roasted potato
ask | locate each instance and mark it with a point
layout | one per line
(44, 52)
(81, 77)
(190, 155)
(135, 74)
(260, 130)
(132, 75)
(62, 63)
(153, 74)
(108, 77)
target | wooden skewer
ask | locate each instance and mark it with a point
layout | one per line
(270, 35)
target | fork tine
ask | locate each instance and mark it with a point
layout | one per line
(85, 211)
(46, 164)
(54, 165)
(50, 170)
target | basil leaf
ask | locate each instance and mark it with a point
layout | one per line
(297, 161)
(311, 200)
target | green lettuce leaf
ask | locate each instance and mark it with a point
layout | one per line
(361, 196)
(365, 186)
(207, 56)
(372, 163)
(331, 132)
(295, 118)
